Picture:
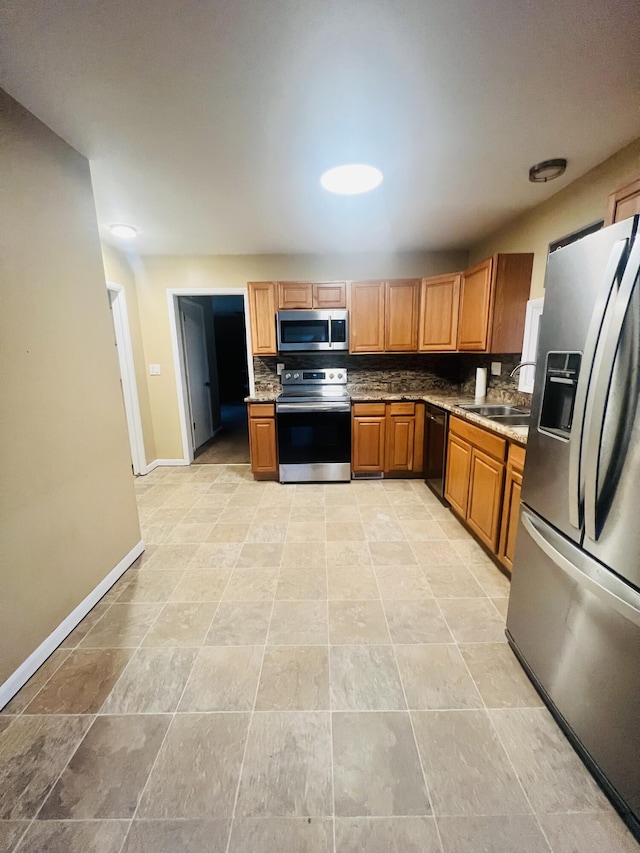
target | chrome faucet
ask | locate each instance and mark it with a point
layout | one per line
(522, 364)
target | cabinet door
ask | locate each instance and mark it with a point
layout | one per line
(475, 304)
(400, 443)
(486, 482)
(262, 441)
(439, 302)
(294, 294)
(330, 295)
(510, 517)
(366, 316)
(624, 203)
(458, 469)
(262, 317)
(401, 315)
(368, 444)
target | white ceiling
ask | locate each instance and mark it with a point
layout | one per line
(209, 122)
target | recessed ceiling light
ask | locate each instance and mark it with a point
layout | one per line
(124, 232)
(547, 170)
(351, 179)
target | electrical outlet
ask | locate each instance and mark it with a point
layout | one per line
(496, 368)
(154, 369)
(279, 368)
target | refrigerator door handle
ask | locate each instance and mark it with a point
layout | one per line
(582, 568)
(603, 373)
(576, 444)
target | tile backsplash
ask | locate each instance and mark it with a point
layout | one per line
(400, 373)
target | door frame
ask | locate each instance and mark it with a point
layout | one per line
(128, 376)
(178, 351)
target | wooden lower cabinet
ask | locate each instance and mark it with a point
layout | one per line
(457, 479)
(486, 480)
(387, 438)
(368, 444)
(262, 441)
(511, 505)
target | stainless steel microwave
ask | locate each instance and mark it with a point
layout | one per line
(309, 331)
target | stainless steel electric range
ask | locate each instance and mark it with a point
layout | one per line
(313, 414)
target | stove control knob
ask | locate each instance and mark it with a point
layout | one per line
(331, 376)
(339, 376)
(287, 376)
(296, 376)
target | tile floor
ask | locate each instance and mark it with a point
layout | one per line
(294, 668)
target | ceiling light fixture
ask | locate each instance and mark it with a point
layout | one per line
(351, 179)
(547, 170)
(124, 232)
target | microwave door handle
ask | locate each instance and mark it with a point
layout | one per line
(603, 373)
(576, 444)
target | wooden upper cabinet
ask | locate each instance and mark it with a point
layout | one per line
(475, 302)
(402, 298)
(330, 295)
(366, 316)
(493, 304)
(624, 203)
(263, 302)
(294, 294)
(439, 301)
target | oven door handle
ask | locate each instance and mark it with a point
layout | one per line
(311, 408)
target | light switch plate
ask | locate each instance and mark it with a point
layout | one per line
(154, 369)
(496, 368)
(279, 368)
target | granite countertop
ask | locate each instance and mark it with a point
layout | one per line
(449, 400)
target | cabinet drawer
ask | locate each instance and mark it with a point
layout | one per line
(517, 455)
(402, 408)
(262, 410)
(492, 444)
(368, 410)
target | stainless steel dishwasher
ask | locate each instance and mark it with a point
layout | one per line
(436, 426)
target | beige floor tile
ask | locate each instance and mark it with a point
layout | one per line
(78, 836)
(305, 555)
(35, 683)
(416, 621)
(202, 514)
(260, 555)
(391, 554)
(412, 512)
(282, 835)
(367, 494)
(373, 514)
(267, 531)
(199, 585)
(365, 678)
(352, 582)
(296, 583)
(306, 531)
(470, 551)
(473, 620)
(550, 771)
(156, 534)
(273, 513)
(387, 835)
(467, 769)
(10, 832)
(106, 776)
(383, 531)
(287, 766)
(152, 683)
(425, 530)
(150, 587)
(211, 743)
(122, 625)
(501, 605)
(499, 677)
(228, 531)
(504, 834)
(244, 499)
(189, 534)
(453, 582)
(347, 512)
(435, 676)
(340, 531)
(357, 622)
(403, 582)
(588, 833)
(453, 529)
(294, 678)
(239, 623)
(181, 624)
(384, 781)
(177, 836)
(33, 752)
(82, 683)
(170, 558)
(251, 585)
(223, 678)
(236, 514)
(164, 515)
(439, 552)
(72, 640)
(298, 623)
(491, 579)
(349, 554)
(216, 555)
(404, 499)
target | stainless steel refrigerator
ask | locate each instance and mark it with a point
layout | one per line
(574, 609)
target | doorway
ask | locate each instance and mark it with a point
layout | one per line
(214, 372)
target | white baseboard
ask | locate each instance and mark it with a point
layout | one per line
(35, 660)
(157, 463)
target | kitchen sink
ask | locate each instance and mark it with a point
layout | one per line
(510, 420)
(496, 411)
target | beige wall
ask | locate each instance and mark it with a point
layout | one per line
(118, 270)
(581, 203)
(157, 274)
(67, 507)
